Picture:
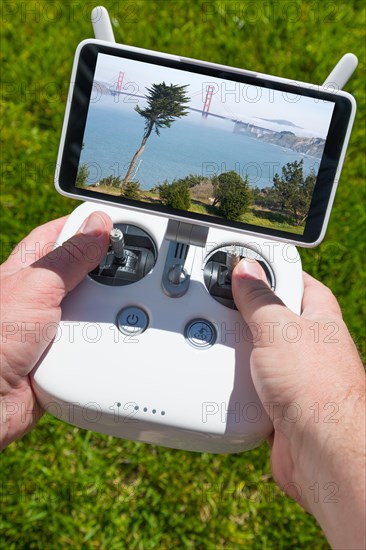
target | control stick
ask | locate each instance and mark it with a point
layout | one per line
(219, 268)
(131, 256)
(117, 243)
(232, 259)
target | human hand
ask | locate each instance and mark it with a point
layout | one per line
(34, 281)
(308, 374)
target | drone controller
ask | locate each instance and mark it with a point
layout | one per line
(151, 346)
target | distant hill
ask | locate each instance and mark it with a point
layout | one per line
(280, 121)
(312, 146)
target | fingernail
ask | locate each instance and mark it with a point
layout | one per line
(93, 226)
(249, 269)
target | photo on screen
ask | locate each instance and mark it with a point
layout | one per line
(202, 144)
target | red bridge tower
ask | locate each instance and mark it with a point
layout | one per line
(206, 106)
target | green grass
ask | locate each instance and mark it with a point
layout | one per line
(62, 487)
(271, 220)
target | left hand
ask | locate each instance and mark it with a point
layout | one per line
(34, 280)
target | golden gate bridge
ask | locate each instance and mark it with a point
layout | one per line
(115, 87)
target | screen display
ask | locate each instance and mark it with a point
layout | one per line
(241, 152)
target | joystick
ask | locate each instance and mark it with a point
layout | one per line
(131, 255)
(117, 242)
(232, 259)
(219, 266)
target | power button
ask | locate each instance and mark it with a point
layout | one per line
(132, 320)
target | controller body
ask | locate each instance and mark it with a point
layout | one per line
(159, 359)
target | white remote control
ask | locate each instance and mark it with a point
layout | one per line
(150, 347)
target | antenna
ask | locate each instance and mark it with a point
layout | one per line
(102, 24)
(342, 72)
(337, 79)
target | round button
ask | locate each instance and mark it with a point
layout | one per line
(200, 333)
(132, 320)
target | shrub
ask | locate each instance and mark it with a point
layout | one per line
(131, 190)
(82, 176)
(111, 181)
(232, 194)
(175, 194)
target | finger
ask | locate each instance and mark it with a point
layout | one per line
(254, 299)
(318, 301)
(35, 245)
(65, 267)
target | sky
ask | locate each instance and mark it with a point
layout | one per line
(254, 104)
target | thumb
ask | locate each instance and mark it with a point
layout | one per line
(66, 266)
(257, 303)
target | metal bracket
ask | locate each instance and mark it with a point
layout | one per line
(179, 261)
(187, 233)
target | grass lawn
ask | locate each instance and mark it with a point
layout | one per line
(62, 487)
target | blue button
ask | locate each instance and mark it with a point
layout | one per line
(132, 320)
(200, 333)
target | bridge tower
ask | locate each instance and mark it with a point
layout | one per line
(120, 81)
(206, 106)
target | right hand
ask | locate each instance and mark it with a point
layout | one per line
(309, 377)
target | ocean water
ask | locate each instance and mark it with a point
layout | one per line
(192, 145)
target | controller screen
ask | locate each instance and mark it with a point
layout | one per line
(179, 140)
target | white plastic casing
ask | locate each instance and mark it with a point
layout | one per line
(96, 378)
